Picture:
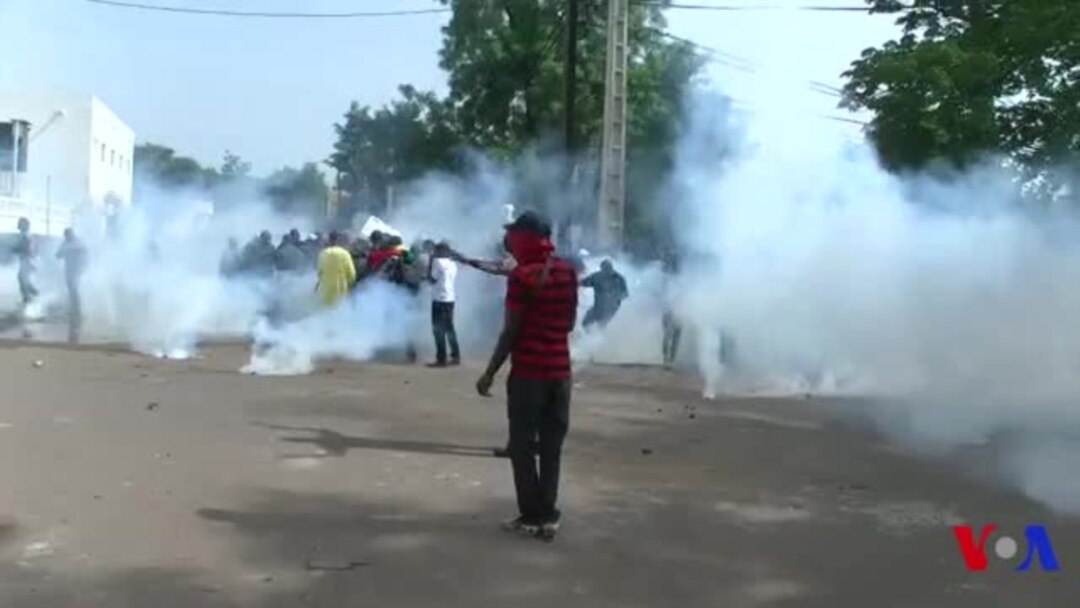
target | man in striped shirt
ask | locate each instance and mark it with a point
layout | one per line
(541, 310)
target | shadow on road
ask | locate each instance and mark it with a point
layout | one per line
(335, 444)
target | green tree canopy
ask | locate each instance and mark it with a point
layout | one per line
(505, 65)
(396, 143)
(159, 165)
(505, 60)
(972, 77)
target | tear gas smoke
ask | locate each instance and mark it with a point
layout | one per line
(940, 298)
(377, 316)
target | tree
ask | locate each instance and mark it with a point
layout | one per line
(505, 65)
(160, 166)
(394, 144)
(302, 191)
(234, 167)
(973, 77)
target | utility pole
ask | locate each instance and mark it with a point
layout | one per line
(570, 77)
(613, 155)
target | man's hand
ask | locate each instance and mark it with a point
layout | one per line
(483, 385)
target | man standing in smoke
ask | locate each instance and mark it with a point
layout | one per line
(73, 253)
(610, 290)
(442, 273)
(289, 256)
(24, 253)
(259, 255)
(672, 327)
(541, 310)
(336, 272)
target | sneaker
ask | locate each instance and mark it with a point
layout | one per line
(550, 528)
(455, 362)
(520, 525)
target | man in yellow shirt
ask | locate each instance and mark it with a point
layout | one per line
(337, 273)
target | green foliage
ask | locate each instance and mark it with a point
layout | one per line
(505, 66)
(157, 167)
(973, 77)
(505, 62)
(394, 144)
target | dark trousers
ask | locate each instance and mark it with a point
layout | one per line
(538, 409)
(598, 315)
(442, 324)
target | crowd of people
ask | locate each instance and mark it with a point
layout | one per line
(541, 305)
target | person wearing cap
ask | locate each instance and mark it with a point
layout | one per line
(541, 311)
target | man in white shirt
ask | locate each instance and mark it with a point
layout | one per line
(442, 272)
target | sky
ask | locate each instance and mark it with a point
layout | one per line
(271, 89)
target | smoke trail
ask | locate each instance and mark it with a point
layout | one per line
(376, 317)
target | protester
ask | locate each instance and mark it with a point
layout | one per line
(541, 308)
(336, 272)
(259, 256)
(384, 247)
(73, 253)
(500, 267)
(610, 290)
(24, 253)
(232, 260)
(290, 254)
(672, 327)
(442, 273)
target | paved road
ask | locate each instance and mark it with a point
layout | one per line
(127, 481)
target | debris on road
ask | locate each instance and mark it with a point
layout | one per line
(326, 565)
(153, 405)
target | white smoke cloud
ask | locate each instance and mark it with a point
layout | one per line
(940, 297)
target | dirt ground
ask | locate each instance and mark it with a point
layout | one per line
(132, 482)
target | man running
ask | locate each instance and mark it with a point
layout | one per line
(610, 290)
(442, 273)
(336, 271)
(541, 310)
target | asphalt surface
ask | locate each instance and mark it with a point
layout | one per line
(129, 481)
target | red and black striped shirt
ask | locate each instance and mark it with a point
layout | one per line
(548, 309)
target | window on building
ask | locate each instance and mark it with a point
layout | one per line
(112, 157)
(102, 152)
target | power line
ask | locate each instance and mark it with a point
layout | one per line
(745, 65)
(260, 14)
(755, 7)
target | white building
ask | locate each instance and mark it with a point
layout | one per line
(78, 158)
